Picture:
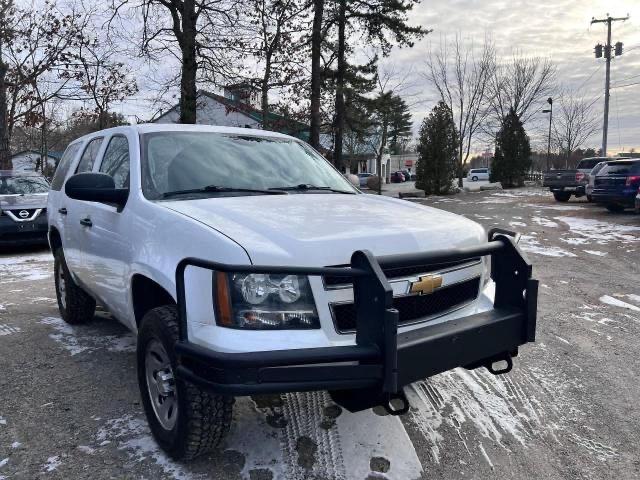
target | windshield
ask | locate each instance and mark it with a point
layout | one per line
(179, 161)
(621, 168)
(23, 185)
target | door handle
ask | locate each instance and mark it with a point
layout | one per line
(62, 211)
(86, 222)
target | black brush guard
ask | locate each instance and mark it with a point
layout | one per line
(375, 370)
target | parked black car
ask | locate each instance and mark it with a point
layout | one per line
(564, 183)
(23, 201)
(616, 185)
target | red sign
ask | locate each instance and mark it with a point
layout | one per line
(408, 163)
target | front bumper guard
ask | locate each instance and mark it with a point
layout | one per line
(383, 361)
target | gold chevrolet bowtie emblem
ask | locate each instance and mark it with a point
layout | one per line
(426, 284)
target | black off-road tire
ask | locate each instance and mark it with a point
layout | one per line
(561, 196)
(589, 198)
(203, 418)
(76, 306)
(615, 208)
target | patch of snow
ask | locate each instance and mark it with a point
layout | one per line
(596, 252)
(618, 303)
(86, 449)
(15, 445)
(562, 208)
(77, 341)
(532, 245)
(133, 436)
(517, 224)
(52, 463)
(562, 339)
(4, 462)
(544, 222)
(601, 232)
(26, 267)
(8, 329)
(484, 454)
(3, 421)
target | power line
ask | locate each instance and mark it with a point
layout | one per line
(590, 76)
(627, 85)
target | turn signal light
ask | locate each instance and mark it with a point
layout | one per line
(579, 176)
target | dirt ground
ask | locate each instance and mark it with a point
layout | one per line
(70, 408)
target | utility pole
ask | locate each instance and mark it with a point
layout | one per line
(550, 112)
(607, 55)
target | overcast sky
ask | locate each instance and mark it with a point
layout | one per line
(559, 29)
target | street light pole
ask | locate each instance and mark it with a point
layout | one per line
(550, 112)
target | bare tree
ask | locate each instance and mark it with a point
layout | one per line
(574, 124)
(200, 35)
(7, 12)
(36, 50)
(278, 25)
(519, 84)
(102, 78)
(461, 74)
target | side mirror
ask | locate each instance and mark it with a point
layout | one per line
(95, 187)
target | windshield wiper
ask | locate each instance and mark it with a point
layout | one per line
(218, 189)
(307, 186)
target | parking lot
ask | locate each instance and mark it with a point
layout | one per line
(69, 403)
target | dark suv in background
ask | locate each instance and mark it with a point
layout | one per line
(23, 201)
(616, 185)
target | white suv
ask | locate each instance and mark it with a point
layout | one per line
(247, 264)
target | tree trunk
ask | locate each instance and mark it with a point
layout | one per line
(5, 156)
(342, 67)
(460, 164)
(188, 92)
(264, 104)
(316, 46)
(383, 142)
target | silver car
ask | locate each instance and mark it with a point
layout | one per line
(23, 201)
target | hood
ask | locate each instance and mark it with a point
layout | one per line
(325, 229)
(26, 201)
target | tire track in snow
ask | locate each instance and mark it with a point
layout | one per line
(535, 404)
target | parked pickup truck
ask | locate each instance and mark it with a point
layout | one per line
(565, 183)
(247, 264)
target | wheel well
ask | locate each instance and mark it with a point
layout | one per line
(55, 241)
(147, 294)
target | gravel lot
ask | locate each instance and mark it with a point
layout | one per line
(69, 405)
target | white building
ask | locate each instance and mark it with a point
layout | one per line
(27, 160)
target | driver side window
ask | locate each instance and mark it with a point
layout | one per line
(89, 156)
(115, 161)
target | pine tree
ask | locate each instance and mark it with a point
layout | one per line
(437, 151)
(512, 157)
(400, 126)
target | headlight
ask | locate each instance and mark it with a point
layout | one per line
(263, 301)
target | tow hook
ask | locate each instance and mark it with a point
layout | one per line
(491, 366)
(397, 404)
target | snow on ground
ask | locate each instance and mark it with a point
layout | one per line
(597, 253)
(615, 302)
(25, 267)
(52, 463)
(82, 339)
(590, 230)
(532, 245)
(544, 222)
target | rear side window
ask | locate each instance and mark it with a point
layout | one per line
(115, 161)
(587, 164)
(621, 168)
(598, 167)
(89, 156)
(64, 165)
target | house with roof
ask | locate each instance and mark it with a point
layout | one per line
(238, 107)
(30, 161)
